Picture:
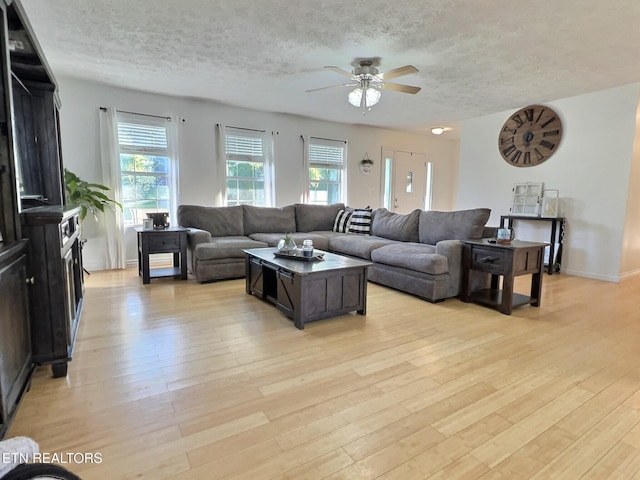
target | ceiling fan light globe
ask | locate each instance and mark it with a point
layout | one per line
(372, 96)
(355, 97)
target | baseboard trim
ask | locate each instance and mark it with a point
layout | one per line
(594, 276)
(631, 274)
(157, 260)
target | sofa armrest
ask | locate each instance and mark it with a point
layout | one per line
(452, 249)
(196, 236)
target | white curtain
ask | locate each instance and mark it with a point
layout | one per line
(269, 170)
(305, 167)
(174, 134)
(114, 219)
(221, 166)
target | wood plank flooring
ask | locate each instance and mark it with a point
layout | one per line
(177, 380)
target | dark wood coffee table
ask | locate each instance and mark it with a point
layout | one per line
(307, 291)
(509, 261)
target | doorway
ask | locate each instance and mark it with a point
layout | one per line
(407, 181)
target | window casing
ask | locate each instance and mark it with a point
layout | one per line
(146, 167)
(247, 155)
(327, 160)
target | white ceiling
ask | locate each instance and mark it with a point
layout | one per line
(474, 57)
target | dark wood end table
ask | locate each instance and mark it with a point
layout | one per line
(167, 240)
(507, 261)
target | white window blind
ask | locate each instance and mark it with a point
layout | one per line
(326, 171)
(326, 154)
(142, 138)
(242, 147)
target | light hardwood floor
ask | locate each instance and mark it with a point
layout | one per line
(177, 380)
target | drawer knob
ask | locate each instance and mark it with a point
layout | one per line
(31, 280)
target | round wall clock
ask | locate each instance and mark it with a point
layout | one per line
(530, 136)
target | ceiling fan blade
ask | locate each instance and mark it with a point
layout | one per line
(398, 72)
(342, 72)
(397, 87)
(332, 86)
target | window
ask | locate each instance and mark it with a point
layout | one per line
(247, 166)
(145, 167)
(326, 171)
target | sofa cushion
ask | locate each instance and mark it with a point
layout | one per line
(269, 220)
(272, 239)
(458, 225)
(341, 222)
(396, 226)
(360, 221)
(359, 246)
(219, 221)
(315, 217)
(413, 256)
(226, 247)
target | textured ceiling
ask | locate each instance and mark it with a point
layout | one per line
(473, 57)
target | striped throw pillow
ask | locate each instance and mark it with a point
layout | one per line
(360, 221)
(341, 224)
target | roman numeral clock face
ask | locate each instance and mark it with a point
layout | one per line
(530, 136)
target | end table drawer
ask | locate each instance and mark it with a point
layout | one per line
(487, 260)
(164, 242)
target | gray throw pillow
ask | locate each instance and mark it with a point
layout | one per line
(396, 226)
(219, 221)
(457, 225)
(269, 220)
(311, 218)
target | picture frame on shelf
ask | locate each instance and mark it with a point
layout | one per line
(526, 198)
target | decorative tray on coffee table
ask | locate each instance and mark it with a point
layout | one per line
(298, 256)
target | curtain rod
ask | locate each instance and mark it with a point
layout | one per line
(242, 128)
(329, 139)
(168, 119)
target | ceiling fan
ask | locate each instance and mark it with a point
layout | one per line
(369, 81)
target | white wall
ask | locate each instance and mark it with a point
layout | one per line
(591, 169)
(198, 183)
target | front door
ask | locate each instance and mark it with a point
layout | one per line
(409, 182)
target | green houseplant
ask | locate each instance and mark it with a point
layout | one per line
(90, 197)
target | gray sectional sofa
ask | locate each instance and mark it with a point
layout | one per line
(419, 253)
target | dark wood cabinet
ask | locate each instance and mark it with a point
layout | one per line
(37, 142)
(41, 283)
(16, 364)
(55, 263)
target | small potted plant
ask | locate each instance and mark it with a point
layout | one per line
(365, 164)
(287, 245)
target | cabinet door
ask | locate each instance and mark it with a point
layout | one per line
(15, 347)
